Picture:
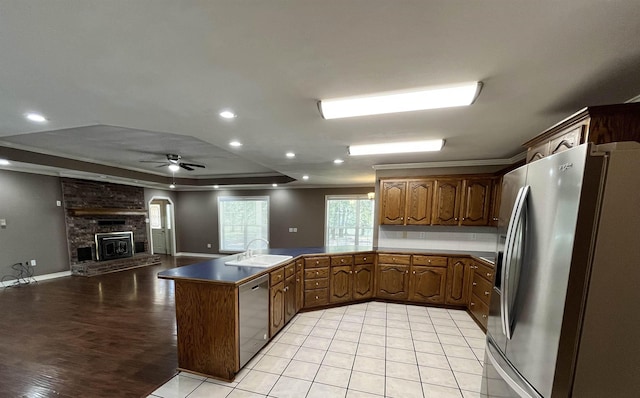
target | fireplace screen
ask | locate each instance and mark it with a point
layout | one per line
(110, 246)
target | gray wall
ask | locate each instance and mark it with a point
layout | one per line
(35, 225)
(197, 216)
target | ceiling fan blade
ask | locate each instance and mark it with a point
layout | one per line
(153, 161)
(163, 165)
(186, 167)
(193, 165)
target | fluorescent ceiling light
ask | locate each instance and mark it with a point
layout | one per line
(4, 162)
(396, 147)
(235, 144)
(401, 101)
(338, 161)
(35, 117)
(227, 115)
(174, 167)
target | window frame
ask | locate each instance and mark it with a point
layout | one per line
(232, 198)
(357, 227)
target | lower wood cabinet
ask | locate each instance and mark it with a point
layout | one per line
(458, 281)
(316, 281)
(363, 277)
(299, 285)
(289, 298)
(427, 284)
(341, 284)
(276, 305)
(480, 291)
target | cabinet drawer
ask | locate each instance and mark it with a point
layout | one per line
(299, 265)
(482, 289)
(289, 270)
(364, 258)
(394, 259)
(434, 261)
(315, 273)
(341, 260)
(312, 262)
(484, 271)
(479, 310)
(277, 276)
(316, 284)
(316, 297)
(566, 141)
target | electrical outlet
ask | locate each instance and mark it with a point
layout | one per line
(32, 263)
(208, 245)
(58, 203)
(423, 235)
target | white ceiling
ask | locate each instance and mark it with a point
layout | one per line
(124, 81)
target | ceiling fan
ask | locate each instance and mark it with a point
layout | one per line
(174, 163)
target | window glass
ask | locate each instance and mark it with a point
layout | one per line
(154, 216)
(241, 220)
(349, 220)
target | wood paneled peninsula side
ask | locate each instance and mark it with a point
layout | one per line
(208, 304)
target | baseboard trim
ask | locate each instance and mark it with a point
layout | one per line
(207, 255)
(53, 275)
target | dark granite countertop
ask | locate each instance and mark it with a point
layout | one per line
(216, 271)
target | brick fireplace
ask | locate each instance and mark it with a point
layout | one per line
(98, 209)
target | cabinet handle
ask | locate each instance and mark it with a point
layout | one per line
(342, 260)
(456, 219)
(495, 218)
(474, 283)
(316, 297)
(393, 259)
(429, 261)
(414, 272)
(462, 218)
(317, 262)
(488, 275)
(486, 293)
(401, 218)
(472, 304)
(317, 273)
(364, 258)
(316, 283)
(407, 271)
(484, 316)
(351, 272)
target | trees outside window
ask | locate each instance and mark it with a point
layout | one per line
(349, 220)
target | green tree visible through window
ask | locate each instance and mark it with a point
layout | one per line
(349, 220)
(242, 219)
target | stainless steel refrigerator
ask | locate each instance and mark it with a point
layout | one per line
(564, 319)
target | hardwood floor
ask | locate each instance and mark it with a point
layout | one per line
(111, 335)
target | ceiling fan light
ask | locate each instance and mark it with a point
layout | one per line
(174, 167)
(401, 101)
(396, 147)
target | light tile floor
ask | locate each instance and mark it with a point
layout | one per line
(363, 350)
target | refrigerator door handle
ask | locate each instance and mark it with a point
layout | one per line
(511, 241)
(501, 366)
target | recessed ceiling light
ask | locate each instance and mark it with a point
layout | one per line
(235, 144)
(274, 185)
(35, 117)
(216, 186)
(4, 162)
(172, 186)
(305, 177)
(396, 147)
(103, 176)
(227, 115)
(290, 155)
(338, 161)
(174, 167)
(401, 101)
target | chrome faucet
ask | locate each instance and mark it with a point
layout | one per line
(248, 252)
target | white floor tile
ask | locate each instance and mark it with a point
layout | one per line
(468, 381)
(371, 351)
(397, 324)
(360, 394)
(372, 339)
(479, 353)
(428, 347)
(465, 365)
(470, 394)
(271, 364)
(206, 390)
(421, 335)
(458, 351)
(422, 327)
(322, 332)
(375, 321)
(399, 355)
(364, 382)
(258, 382)
(329, 324)
(401, 333)
(178, 387)
(447, 330)
(347, 347)
(369, 365)
(398, 388)
(444, 322)
(253, 361)
(283, 350)
(475, 342)
(432, 360)
(244, 394)
(319, 343)
(399, 370)
(287, 387)
(350, 326)
(453, 340)
(292, 338)
(399, 342)
(440, 377)
(306, 321)
(301, 370)
(353, 318)
(300, 329)
(397, 317)
(306, 354)
(319, 390)
(346, 335)
(333, 376)
(338, 360)
(434, 391)
(374, 329)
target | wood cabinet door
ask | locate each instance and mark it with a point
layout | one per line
(476, 201)
(419, 197)
(496, 192)
(428, 284)
(277, 308)
(363, 281)
(289, 298)
(393, 282)
(340, 284)
(446, 202)
(299, 291)
(393, 196)
(458, 281)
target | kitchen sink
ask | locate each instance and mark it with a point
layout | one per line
(260, 260)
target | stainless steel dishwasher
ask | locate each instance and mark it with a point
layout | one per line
(254, 317)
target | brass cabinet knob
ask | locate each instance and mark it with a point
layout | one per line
(486, 293)
(317, 262)
(342, 260)
(364, 258)
(484, 316)
(407, 271)
(472, 304)
(351, 272)
(488, 275)
(316, 297)
(316, 283)
(414, 272)
(456, 219)
(474, 283)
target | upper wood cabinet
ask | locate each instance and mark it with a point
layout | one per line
(476, 203)
(406, 202)
(446, 202)
(496, 193)
(393, 196)
(597, 124)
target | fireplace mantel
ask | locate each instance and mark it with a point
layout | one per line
(94, 211)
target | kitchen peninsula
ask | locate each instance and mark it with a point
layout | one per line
(214, 325)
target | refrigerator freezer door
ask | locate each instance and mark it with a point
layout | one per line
(555, 187)
(500, 380)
